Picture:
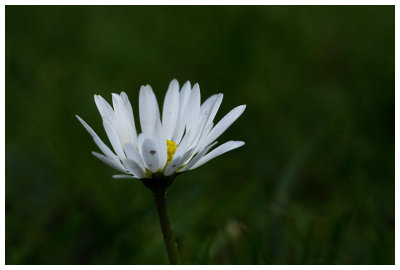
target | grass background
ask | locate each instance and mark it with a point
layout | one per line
(314, 183)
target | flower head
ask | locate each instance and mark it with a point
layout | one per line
(177, 142)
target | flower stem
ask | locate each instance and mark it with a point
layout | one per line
(162, 209)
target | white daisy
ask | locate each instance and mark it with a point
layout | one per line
(178, 142)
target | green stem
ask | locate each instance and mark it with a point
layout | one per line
(162, 209)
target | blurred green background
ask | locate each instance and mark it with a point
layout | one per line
(314, 183)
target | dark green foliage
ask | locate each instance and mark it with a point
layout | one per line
(314, 183)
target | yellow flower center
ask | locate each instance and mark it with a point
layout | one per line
(171, 148)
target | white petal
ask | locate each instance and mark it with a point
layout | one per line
(208, 111)
(148, 110)
(214, 108)
(122, 123)
(207, 104)
(149, 152)
(104, 107)
(160, 140)
(114, 138)
(172, 166)
(124, 118)
(133, 154)
(176, 164)
(228, 146)
(207, 130)
(210, 107)
(186, 157)
(193, 112)
(140, 140)
(197, 131)
(123, 176)
(183, 145)
(110, 162)
(201, 139)
(104, 148)
(171, 109)
(197, 157)
(224, 124)
(134, 168)
(128, 108)
(184, 96)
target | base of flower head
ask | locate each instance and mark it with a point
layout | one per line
(158, 181)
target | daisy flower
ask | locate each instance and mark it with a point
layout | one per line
(177, 141)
